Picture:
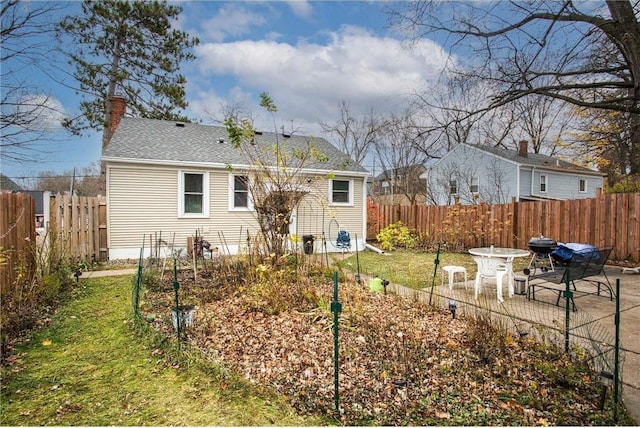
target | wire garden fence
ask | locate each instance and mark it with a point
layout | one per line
(578, 333)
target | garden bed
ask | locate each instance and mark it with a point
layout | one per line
(401, 362)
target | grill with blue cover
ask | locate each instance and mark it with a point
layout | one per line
(563, 254)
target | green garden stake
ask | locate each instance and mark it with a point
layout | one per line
(568, 295)
(436, 262)
(176, 287)
(138, 285)
(616, 367)
(358, 279)
(336, 308)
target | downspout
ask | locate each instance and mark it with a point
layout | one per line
(518, 171)
(363, 237)
(533, 177)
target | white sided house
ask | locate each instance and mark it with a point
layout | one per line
(173, 180)
(470, 174)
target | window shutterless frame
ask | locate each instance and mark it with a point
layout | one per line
(239, 195)
(193, 194)
(341, 191)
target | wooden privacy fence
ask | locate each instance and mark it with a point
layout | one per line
(17, 238)
(606, 220)
(80, 225)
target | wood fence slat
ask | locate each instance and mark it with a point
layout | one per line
(607, 220)
(17, 238)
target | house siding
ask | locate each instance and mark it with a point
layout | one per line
(565, 185)
(316, 217)
(143, 203)
(464, 162)
(516, 179)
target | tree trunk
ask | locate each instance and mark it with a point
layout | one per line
(626, 36)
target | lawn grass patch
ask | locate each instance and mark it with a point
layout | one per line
(90, 368)
(414, 269)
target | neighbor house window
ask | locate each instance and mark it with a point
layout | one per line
(341, 192)
(239, 192)
(473, 188)
(194, 194)
(453, 187)
(582, 186)
(543, 183)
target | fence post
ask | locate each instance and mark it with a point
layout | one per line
(616, 367)
(568, 298)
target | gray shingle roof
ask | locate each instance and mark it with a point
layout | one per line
(8, 184)
(535, 159)
(162, 140)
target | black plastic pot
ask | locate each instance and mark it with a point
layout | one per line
(307, 244)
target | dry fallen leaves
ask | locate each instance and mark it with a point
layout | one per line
(401, 362)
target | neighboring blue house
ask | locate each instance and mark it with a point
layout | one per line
(472, 174)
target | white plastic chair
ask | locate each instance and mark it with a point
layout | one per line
(492, 268)
(451, 271)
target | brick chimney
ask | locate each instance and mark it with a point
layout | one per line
(522, 148)
(118, 109)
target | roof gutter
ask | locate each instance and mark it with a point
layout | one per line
(212, 165)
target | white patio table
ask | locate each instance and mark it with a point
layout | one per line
(508, 254)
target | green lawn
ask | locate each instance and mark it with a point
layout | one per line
(412, 268)
(89, 367)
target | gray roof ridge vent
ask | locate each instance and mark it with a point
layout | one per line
(180, 124)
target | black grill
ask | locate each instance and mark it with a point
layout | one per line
(542, 248)
(542, 245)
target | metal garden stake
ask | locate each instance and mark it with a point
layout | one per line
(435, 271)
(568, 295)
(358, 280)
(176, 287)
(336, 308)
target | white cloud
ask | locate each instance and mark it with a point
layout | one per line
(301, 8)
(43, 113)
(231, 20)
(307, 80)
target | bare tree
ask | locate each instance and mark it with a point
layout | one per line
(83, 181)
(29, 115)
(400, 155)
(544, 122)
(275, 180)
(542, 48)
(449, 108)
(354, 136)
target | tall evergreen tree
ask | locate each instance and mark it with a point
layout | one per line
(127, 48)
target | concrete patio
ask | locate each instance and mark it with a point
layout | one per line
(592, 322)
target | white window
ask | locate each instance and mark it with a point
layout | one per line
(473, 188)
(194, 194)
(453, 187)
(239, 196)
(341, 192)
(582, 186)
(543, 183)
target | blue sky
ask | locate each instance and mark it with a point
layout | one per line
(308, 55)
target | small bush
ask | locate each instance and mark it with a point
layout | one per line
(397, 235)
